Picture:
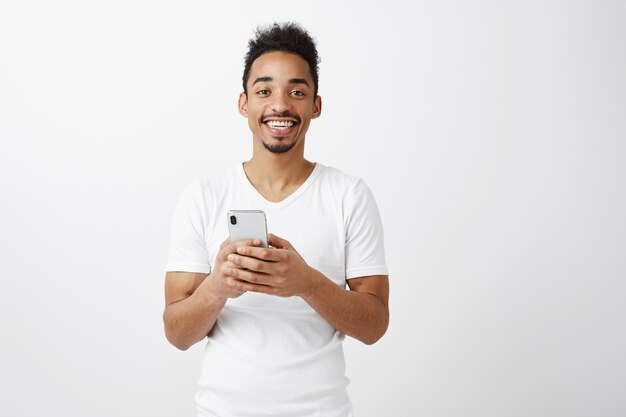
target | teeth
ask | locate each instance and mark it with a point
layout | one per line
(279, 124)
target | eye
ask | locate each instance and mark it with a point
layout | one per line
(297, 93)
(263, 92)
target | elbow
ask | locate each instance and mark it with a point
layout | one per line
(371, 339)
(178, 344)
(172, 336)
(377, 332)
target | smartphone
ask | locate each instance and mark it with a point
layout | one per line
(247, 224)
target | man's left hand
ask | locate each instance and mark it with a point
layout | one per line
(277, 270)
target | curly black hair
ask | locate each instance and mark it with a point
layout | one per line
(286, 37)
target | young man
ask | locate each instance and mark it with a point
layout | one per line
(275, 317)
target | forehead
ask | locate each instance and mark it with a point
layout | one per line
(280, 66)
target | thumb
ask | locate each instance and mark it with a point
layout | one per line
(277, 242)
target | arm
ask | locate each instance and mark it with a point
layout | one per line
(191, 308)
(361, 312)
(193, 301)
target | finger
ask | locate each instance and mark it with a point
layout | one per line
(247, 242)
(278, 242)
(265, 254)
(231, 247)
(245, 262)
(236, 274)
(245, 286)
(225, 243)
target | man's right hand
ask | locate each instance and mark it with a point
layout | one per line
(193, 301)
(217, 280)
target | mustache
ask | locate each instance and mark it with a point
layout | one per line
(283, 114)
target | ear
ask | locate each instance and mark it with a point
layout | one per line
(243, 104)
(317, 107)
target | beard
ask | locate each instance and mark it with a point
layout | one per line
(280, 147)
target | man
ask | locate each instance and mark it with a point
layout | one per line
(275, 317)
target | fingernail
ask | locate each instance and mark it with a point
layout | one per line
(231, 257)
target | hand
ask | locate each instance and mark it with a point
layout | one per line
(218, 279)
(278, 270)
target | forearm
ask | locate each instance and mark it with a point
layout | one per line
(190, 320)
(280, 271)
(360, 315)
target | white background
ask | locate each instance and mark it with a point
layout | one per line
(492, 134)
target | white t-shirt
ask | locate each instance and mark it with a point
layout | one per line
(269, 355)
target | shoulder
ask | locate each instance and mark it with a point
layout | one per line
(211, 188)
(339, 180)
(348, 186)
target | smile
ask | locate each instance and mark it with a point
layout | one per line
(279, 124)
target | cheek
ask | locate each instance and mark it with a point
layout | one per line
(305, 125)
(253, 118)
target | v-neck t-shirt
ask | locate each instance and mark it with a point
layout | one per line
(271, 354)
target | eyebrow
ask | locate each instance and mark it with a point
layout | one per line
(262, 80)
(298, 81)
(291, 80)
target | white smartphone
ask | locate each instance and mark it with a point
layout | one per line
(247, 224)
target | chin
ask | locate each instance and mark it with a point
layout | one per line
(279, 147)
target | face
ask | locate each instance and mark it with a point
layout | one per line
(279, 104)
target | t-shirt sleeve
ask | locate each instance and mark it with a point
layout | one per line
(365, 251)
(188, 251)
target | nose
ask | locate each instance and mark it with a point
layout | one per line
(280, 102)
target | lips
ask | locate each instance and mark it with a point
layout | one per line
(280, 125)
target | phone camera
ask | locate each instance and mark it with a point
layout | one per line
(233, 220)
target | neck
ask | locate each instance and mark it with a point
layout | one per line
(276, 175)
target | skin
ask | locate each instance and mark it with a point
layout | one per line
(280, 87)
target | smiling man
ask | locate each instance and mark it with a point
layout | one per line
(279, 105)
(274, 318)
